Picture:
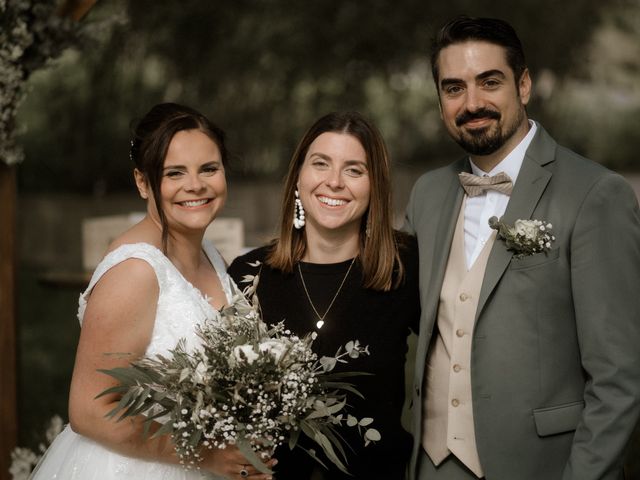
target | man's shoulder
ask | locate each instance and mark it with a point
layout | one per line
(585, 175)
(544, 144)
(442, 174)
(573, 167)
(569, 159)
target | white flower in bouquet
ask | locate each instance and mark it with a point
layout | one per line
(200, 374)
(249, 385)
(244, 353)
(275, 348)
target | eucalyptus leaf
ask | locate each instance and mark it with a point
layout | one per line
(165, 429)
(294, 435)
(184, 374)
(250, 455)
(338, 375)
(372, 434)
(343, 386)
(365, 421)
(327, 447)
(336, 440)
(325, 411)
(328, 363)
(312, 453)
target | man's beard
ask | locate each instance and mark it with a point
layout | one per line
(486, 140)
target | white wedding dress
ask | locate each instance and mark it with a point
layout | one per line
(180, 308)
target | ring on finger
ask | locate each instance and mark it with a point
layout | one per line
(244, 473)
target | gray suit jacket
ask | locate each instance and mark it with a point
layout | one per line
(555, 361)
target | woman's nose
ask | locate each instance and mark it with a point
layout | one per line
(334, 178)
(193, 183)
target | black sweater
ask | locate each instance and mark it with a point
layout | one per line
(380, 320)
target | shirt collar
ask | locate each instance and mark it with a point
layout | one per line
(511, 163)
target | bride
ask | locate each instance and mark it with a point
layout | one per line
(158, 280)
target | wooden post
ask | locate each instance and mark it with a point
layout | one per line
(75, 9)
(8, 396)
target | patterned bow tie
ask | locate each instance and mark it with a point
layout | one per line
(475, 185)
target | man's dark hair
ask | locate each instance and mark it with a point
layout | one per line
(492, 30)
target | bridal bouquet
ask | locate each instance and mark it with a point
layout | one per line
(248, 385)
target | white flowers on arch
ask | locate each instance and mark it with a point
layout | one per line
(31, 34)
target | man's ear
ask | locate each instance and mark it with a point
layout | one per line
(141, 183)
(524, 87)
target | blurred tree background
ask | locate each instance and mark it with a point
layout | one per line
(264, 70)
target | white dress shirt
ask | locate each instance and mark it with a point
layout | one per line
(479, 209)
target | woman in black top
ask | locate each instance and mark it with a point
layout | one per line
(339, 269)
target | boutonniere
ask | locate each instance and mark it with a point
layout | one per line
(524, 237)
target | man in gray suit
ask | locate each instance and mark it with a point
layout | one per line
(528, 357)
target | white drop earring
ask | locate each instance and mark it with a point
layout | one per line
(298, 212)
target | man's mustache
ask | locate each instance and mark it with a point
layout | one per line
(467, 116)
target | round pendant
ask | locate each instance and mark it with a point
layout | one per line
(319, 323)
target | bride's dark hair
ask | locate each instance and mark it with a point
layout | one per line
(150, 142)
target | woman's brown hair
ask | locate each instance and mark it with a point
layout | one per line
(378, 255)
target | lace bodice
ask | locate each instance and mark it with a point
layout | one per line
(181, 306)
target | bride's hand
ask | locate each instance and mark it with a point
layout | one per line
(231, 463)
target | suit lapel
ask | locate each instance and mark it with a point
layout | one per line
(530, 185)
(449, 211)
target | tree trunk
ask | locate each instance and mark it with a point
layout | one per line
(8, 404)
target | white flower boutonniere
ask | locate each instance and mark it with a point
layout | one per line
(524, 237)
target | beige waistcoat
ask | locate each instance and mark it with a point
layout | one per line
(448, 409)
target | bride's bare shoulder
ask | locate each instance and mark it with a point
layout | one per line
(142, 232)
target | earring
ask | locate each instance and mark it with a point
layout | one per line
(298, 213)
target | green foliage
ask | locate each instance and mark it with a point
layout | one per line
(30, 35)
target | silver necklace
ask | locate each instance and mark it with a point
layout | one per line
(321, 318)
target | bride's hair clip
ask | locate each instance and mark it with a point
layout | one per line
(132, 153)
